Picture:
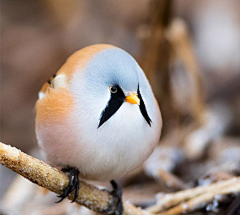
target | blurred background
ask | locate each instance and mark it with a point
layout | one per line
(189, 50)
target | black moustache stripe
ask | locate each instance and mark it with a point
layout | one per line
(113, 105)
(116, 102)
(143, 108)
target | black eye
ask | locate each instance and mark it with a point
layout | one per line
(113, 89)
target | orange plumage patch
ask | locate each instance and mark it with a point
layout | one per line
(54, 106)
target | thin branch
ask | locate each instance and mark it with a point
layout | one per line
(171, 180)
(190, 199)
(201, 200)
(179, 38)
(52, 179)
(130, 209)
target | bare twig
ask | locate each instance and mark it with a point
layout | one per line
(155, 59)
(191, 199)
(178, 36)
(52, 179)
(171, 180)
(202, 200)
(130, 209)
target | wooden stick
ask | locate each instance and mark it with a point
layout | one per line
(130, 209)
(201, 200)
(52, 179)
(179, 38)
(171, 180)
(168, 200)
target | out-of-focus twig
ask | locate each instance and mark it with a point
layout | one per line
(217, 120)
(178, 36)
(171, 181)
(191, 199)
(130, 209)
(155, 58)
(202, 200)
(159, 18)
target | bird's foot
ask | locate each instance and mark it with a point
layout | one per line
(117, 194)
(73, 183)
(117, 200)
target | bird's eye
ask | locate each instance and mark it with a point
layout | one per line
(113, 89)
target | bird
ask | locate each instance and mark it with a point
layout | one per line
(97, 117)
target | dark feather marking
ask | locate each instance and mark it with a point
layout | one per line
(143, 108)
(116, 102)
(113, 105)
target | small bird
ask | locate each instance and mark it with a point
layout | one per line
(97, 117)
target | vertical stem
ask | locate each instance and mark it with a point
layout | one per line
(156, 58)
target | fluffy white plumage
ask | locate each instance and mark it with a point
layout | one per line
(123, 142)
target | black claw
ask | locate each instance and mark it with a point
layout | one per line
(73, 183)
(76, 186)
(117, 200)
(117, 193)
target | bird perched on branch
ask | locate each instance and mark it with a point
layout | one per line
(97, 117)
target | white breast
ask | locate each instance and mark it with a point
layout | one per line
(120, 145)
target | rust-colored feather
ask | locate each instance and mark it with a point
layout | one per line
(55, 104)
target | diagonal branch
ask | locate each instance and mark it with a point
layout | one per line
(52, 179)
(194, 198)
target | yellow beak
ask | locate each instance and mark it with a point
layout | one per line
(133, 99)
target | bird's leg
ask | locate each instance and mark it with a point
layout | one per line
(117, 200)
(73, 183)
(117, 194)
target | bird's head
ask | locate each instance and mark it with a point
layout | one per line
(104, 82)
(109, 79)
